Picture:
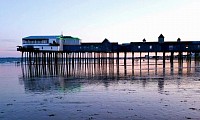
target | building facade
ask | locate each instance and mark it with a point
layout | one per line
(72, 44)
(48, 43)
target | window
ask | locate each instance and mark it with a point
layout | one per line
(171, 47)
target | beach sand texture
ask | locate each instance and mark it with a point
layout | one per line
(88, 93)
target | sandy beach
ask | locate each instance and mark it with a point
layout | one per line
(110, 95)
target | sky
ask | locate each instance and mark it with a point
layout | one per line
(121, 21)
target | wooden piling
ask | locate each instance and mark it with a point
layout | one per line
(132, 63)
(163, 60)
(125, 54)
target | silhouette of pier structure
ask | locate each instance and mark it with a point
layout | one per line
(113, 52)
(108, 70)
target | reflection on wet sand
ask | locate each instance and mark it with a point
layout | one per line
(70, 76)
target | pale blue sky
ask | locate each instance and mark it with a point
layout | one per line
(120, 21)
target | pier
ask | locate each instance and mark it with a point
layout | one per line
(108, 52)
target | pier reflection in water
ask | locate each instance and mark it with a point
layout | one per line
(65, 76)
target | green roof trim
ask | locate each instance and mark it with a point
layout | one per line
(63, 37)
(76, 38)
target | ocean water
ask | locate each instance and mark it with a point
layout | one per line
(9, 60)
(100, 91)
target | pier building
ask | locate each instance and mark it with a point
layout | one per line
(72, 44)
(51, 49)
(48, 43)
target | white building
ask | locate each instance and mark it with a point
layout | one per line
(49, 43)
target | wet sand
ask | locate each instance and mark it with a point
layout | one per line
(139, 97)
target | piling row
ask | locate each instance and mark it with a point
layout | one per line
(44, 58)
(109, 69)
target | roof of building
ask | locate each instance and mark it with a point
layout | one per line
(70, 37)
(49, 37)
(161, 36)
(42, 37)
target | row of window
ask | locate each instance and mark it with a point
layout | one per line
(71, 41)
(150, 47)
(35, 42)
(170, 47)
(51, 48)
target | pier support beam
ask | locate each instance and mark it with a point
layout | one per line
(125, 67)
(195, 56)
(125, 55)
(117, 60)
(172, 57)
(156, 63)
(148, 58)
(180, 56)
(189, 56)
(140, 59)
(94, 58)
(132, 63)
(163, 60)
(171, 61)
(30, 58)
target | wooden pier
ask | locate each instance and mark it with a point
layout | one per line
(111, 51)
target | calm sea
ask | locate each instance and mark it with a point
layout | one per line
(9, 60)
(100, 91)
